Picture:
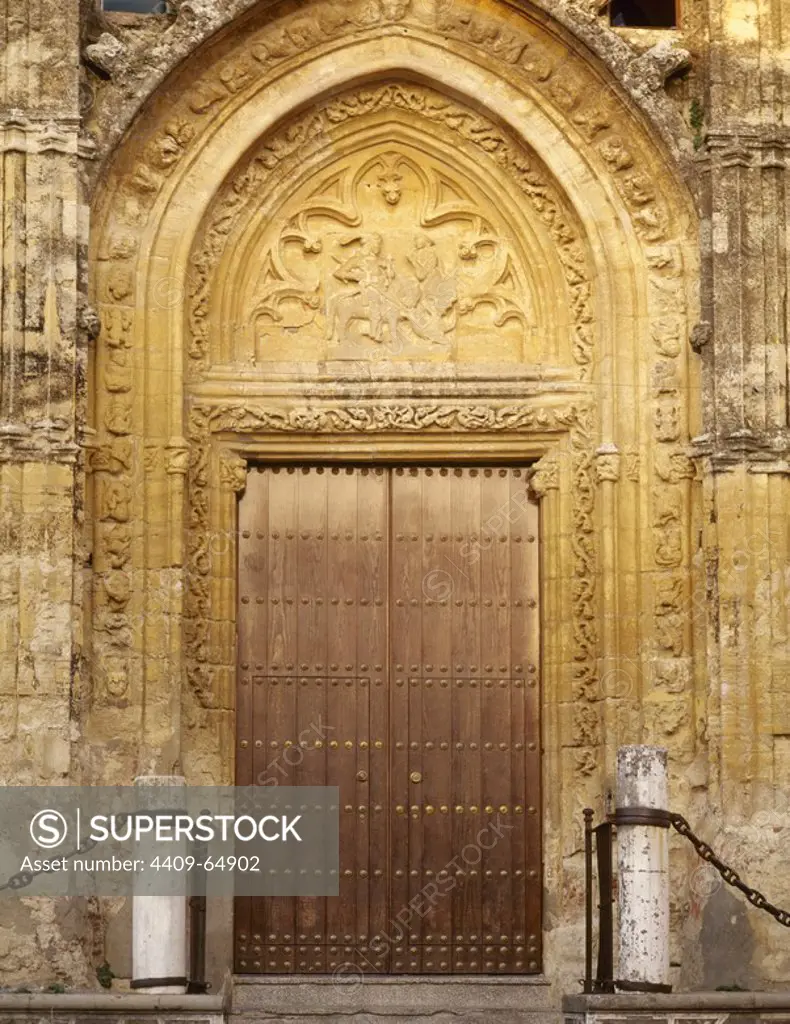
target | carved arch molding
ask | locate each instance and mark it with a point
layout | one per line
(392, 228)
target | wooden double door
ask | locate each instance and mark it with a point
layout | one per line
(389, 635)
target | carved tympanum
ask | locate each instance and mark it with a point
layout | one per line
(391, 255)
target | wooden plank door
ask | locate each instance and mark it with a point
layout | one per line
(312, 705)
(465, 637)
(389, 645)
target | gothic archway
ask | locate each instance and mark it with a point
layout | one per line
(489, 145)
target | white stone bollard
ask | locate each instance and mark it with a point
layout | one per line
(159, 919)
(643, 868)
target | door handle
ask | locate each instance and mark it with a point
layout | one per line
(416, 777)
(362, 776)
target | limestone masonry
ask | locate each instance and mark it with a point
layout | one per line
(403, 230)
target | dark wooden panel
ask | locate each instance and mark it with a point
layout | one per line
(389, 644)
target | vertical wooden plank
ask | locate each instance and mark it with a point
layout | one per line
(311, 656)
(250, 729)
(469, 782)
(359, 692)
(525, 641)
(406, 640)
(278, 701)
(342, 697)
(496, 721)
(372, 637)
(439, 876)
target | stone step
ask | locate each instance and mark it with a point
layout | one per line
(393, 1000)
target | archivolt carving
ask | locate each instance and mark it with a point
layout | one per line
(457, 276)
(290, 34)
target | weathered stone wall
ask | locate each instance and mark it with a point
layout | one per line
(684, 641)
(43, 361)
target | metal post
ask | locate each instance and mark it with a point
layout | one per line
(588, 900)
(197, 923)
(643, 867)
(604, 975)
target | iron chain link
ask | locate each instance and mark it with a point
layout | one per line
(730, 876)
(22, 879)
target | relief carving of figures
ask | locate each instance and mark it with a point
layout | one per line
(233, 471)
(115, 457)
(667, 526)
(118, 416)
(117, 589)
(672, 465)
(115, 675)
(410, 197)
(118, 371)
(116, 545)
(670, 613)
(607, 463)
(426, 273)
(117, 325)
(116, 500)
(667, 420)
(425, 302)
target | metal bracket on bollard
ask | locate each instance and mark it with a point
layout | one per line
(642, 986)
(641, 816)
(158, 983)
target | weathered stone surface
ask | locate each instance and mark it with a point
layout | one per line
(394, 224)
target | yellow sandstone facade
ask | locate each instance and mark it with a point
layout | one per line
(567, 243)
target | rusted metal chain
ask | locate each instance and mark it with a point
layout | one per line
(730, 876)
(22, 879)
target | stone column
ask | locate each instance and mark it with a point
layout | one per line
(744, 451)
(42, 230)
(159, 916)
(643, 870)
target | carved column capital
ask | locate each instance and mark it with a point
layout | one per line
(177, 456)
(232, 471)
(545, 475)
(607, 463)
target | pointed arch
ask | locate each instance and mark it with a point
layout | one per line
(539, 135)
